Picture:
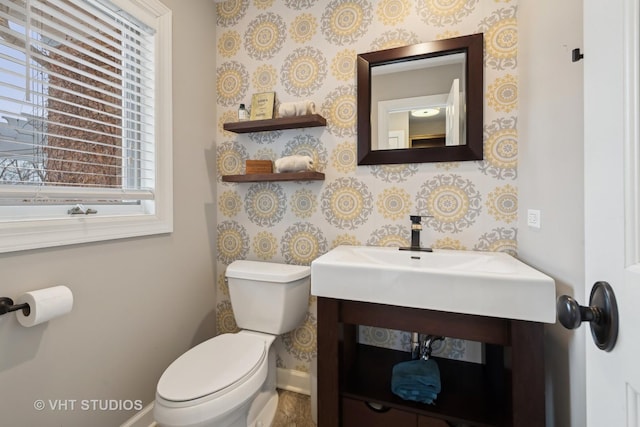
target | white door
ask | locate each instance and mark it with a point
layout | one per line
(453, 115)
(612, 203)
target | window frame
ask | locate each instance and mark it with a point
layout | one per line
(41, 231)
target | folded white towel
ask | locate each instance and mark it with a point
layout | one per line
(295, 163)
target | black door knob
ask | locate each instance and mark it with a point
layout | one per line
(602, 314)
(571, 314)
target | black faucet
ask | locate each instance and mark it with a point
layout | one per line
(416, 227)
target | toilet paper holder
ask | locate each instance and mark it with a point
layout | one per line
(7, 306)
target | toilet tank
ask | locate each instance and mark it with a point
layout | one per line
(268, 297)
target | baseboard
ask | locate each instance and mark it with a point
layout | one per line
(292, 380)
(144, 418)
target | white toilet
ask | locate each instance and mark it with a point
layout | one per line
(230, 380)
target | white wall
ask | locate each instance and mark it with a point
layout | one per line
(139, 303)
(550, 179)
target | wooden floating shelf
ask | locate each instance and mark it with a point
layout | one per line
(247, 126)
(258, 177)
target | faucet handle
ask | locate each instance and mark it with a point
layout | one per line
(415, 219)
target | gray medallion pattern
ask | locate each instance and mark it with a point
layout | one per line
(390, 235)
(307, 145)
(346, 203)
(345, 21)
(452, 201)
(229, 12)
(499, 240)
(232, 83)
(394, 38)
(265, 36)
(302, 243)
(265, 204)
(304, 71)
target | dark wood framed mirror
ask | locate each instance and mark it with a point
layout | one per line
(421, 103)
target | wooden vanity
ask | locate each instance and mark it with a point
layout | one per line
(354, 380)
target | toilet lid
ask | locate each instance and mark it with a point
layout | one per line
(211, 366)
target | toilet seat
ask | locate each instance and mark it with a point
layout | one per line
(215, 366)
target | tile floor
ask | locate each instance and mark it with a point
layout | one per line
(294, 410)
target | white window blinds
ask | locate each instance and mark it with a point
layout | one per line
(77, 97)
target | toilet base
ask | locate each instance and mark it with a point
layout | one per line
(263, 409)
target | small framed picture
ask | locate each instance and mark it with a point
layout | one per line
(262, 105)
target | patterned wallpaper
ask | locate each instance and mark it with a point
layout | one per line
(306, 49)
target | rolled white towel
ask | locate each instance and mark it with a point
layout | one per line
(295, 163)
(287, 109)
(305, 107)
(296, 108)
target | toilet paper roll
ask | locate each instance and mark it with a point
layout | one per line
(45, 304)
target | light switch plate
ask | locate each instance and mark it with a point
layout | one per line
(533, 218)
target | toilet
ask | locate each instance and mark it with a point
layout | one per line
(230, 380)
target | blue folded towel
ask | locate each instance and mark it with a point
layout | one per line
(417, 380)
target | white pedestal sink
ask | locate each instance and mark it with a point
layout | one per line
(491, 284)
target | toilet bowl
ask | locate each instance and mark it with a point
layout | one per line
(230, 380)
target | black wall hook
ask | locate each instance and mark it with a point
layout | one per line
(7, 306)
(576, 55)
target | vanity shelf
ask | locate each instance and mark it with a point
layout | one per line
(463, 398)
(258, 177)
(493, 394)
(281, 123)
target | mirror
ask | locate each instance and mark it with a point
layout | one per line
(421, 103)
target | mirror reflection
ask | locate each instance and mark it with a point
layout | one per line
(415, 114)
(422, 102)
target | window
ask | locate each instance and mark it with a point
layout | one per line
(85, 121)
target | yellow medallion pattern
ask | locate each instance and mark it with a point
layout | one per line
(232, 83)
(394, 38)
(444, 12)
(503, 94)
(501, 149)
(263, 4)
(265, 78)
(230, 203)
(501, 39)
(229, 12)
(502, 204)
(449, 243)
(224, 318)
(302, 341)
(343, 65)
(229, 44)
(341, 110)
(303, 28)
(499, 240)
(233, 241)
(343, 157)
(265, 204)
(230, 158)
(265, 245)
(452, 201)
(394, 203)
(265, 36)
(390, 235)
(304, 203)
(302, 243)
(392, 12)
(346, 203)
(345, 239)
(344, 21)
(303, 71)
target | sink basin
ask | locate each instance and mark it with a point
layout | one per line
(482, 283)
